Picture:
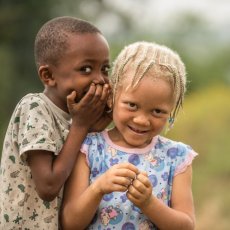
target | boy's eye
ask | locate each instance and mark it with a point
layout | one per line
(106, 70)
(86, 69)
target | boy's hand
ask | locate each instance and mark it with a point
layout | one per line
(90, 108)
(117, 178)
(102, 123)
(140, 191)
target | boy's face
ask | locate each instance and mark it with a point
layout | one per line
(85, 61)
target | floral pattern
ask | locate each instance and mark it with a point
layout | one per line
(162, 160)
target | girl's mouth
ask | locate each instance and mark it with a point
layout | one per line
(138, 131)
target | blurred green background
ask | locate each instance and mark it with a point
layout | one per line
(197, 30)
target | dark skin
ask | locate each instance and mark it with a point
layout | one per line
(80, 77)
(56, 169)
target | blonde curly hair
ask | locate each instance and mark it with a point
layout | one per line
(157, 60)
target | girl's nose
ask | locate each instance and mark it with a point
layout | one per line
(141, 120)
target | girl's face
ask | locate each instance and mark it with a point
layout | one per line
(140, 114)
(86, 60)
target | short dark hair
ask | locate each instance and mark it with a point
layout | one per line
(52, 38)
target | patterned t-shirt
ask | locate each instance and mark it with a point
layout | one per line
(36, 124)
(162, 159)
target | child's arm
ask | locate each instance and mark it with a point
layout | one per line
(50, 172)
(81, 200)
(179, 216)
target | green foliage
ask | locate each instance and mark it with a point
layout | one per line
(19, 22)
(204, 124)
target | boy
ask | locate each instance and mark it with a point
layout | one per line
(44, 134)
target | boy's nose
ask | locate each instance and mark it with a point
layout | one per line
(99, 79)
(141, 120)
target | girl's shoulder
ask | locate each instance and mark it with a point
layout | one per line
(94, 139)
(166, 143)
(177, 153)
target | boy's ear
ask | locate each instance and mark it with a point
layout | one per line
(46, 76)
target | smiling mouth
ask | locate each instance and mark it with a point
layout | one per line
(138, 131)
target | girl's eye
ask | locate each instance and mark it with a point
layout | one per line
(86, 69)
(132, 106)
(158, 112)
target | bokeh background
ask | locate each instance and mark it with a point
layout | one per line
(197, 30)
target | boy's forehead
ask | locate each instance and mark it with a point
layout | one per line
(88, 41)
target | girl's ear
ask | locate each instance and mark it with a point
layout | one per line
(46, 76)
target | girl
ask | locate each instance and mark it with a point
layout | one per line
(131, 177)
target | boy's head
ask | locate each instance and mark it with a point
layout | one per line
(70, 55)
(143, 59)
(52, 39)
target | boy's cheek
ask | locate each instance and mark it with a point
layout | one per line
(106, 80)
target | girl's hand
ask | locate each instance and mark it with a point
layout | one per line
(118, 178)
(140, 191)
(90, 108)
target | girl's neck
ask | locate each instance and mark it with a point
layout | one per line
(114, 141)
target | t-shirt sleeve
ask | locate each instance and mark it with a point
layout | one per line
(34, 125)
(185, 157)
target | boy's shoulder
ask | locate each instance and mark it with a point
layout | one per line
(31, 98)
(32, 101)
(30, 104)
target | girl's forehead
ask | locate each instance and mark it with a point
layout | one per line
(149, 81)
(148, 92)
(132, 76)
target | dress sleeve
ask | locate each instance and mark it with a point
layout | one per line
(185, 158)
(93, 147)
(85, 147)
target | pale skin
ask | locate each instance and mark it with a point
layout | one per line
(81, 76)
(134, 119)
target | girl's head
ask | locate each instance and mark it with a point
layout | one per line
(144, 59)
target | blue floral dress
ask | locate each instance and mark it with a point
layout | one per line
(162, 159)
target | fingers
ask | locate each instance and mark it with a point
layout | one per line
(96, 94)
(125, 182)
(126, 170)
(105, 92)
(120, 175)
(140, 184)
(71, 99)
(140, 187)
(90, 94)
(128, 166)
(142, 178)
